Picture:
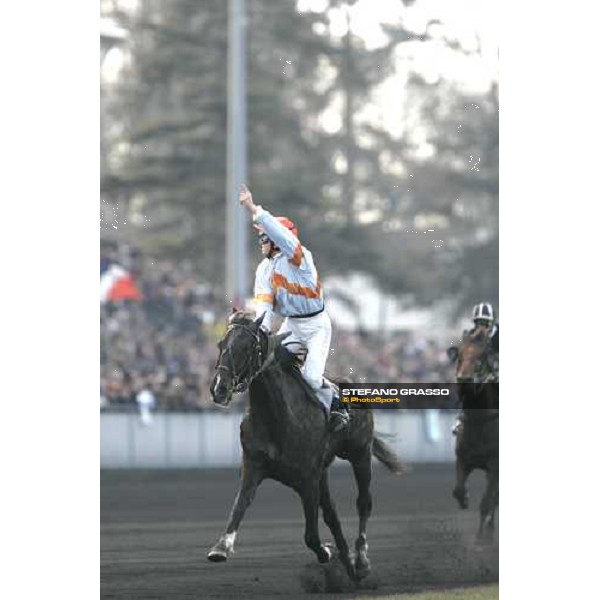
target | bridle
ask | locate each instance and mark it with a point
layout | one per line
(253, 363)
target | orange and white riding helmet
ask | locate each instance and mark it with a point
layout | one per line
(287, 223)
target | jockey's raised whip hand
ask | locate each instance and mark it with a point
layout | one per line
(246, 199)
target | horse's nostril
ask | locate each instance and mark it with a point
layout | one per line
(220, 397)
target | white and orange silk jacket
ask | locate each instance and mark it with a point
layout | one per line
(288, 283)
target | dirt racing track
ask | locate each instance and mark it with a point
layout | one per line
(156, 527)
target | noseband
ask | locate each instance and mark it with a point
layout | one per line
(241, 378)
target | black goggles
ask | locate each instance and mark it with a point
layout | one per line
(483, 323)
(263, 238)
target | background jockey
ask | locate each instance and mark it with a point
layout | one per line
(287, 283)
(484, 319)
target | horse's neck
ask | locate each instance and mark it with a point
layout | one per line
(266, 394)
(481, 406)
(480, 397)
(278, 397)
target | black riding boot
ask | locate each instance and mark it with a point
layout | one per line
(339, 416)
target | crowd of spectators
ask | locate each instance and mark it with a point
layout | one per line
(160, 351)
(401, 357)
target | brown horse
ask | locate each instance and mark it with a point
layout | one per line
(285, 436)
(477, 445)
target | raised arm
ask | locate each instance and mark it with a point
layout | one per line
(281, 236)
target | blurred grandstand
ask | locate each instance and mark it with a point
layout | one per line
(374, 127)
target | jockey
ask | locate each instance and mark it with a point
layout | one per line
(287, 283)
(484, 318)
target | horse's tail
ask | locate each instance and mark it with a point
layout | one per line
(387, 456)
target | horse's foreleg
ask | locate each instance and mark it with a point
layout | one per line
(364, 503)
(487, 508)
(460, 491)
(250, 479)
(332, 521)
(310, 504)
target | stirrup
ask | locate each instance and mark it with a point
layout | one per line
(338, 420)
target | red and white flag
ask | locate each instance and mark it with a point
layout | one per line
(117, 284)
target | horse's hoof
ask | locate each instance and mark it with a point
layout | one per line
(362, 567)
(325, 554)
(350, 569)
(219, 552)
(462, 498)
(482, 544)
(485, 538)
(215, 556)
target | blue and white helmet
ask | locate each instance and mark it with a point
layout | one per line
(484, 312)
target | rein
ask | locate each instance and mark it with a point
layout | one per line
(255, 359)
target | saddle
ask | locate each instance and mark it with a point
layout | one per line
(292, 357)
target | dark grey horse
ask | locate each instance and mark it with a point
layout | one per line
(477, 441)
(284, 436)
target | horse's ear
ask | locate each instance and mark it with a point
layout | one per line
(452, 354)
(232, 315)
(259, 321)
(277, 339)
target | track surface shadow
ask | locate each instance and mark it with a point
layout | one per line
(156, 527)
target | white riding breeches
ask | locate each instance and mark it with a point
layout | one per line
(315, 334)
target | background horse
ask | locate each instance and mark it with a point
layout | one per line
(477, 444)
(284, 436)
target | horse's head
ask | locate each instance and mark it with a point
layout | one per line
(473, 358)
(242, 351)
